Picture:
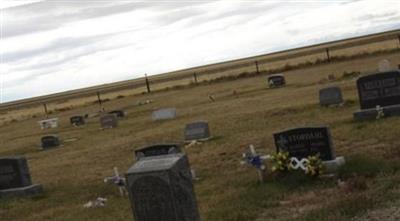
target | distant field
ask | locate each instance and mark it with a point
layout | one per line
(73, 174)
(361, 47)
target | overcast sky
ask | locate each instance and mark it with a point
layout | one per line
(52, 46)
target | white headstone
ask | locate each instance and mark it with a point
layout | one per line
(384, 65)
(164, 114)
(48, 123)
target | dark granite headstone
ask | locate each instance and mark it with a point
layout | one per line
(305, 141)
(118, 113)
(330, 96)
(381, 89)
(77, 120)
(161, 188)
(15, 179)
(276, 80)
(378, 93)
(157, 150)
(50, 141)
(109, 121)
(197, 131)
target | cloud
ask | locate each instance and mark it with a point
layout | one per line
(52, 46)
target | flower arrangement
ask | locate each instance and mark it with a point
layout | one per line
(281, 162)
(314, 166)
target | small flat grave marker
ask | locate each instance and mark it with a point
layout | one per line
(15, 179)
(108, 121)
(118, 113)
(305, 141)
(276, 80)
(197, 131)
(157, 150)
(164, 114)
(48, 123)
(161, 188)
(378, 94)
(77, 120)
(330, 96)
(50, 141)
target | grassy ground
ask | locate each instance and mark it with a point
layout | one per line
(73, 174)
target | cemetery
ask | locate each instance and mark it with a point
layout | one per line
(264, 154)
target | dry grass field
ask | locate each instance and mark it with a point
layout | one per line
(73, 174)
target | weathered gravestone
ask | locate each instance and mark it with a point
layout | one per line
(379, 95)
(330, 96)
(108, 121)
(50, 141)
(384, 65)
(164, 114)
(157, 150)
(197, 131)
(161, 188)
(118, 113)
(276, 80)
(303, 142)
(77, 120)
(15, 179)
(48, 123)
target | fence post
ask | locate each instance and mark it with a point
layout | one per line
(147, 83)
(398, 36)
(328, 55)
(45, 109)
(258, 70)
(195, 77)
(99, 100)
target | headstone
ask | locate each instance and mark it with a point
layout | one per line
(378, 93)
(164, 114)
(305, 141)
(157, 150)
(330, 96)
(161, 188)
(384, 65)
(118, 113)
(50, 141)
(108, 121)
(276, 80)
(77, 120)
(15, 179)
(48, 123)
(197, 131)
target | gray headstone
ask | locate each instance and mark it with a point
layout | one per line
(15, 179)
(197, 131)
(161, 188)
(48, 123)
(108, 121)
(77, 120)
(164, 114)
(330, 96)
(157, 150)
(276, 80)
(50, 141)
(306, 141)
(384, 65)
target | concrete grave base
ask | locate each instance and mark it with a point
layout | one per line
(331, 166)
(21, 191)
(370, 114)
